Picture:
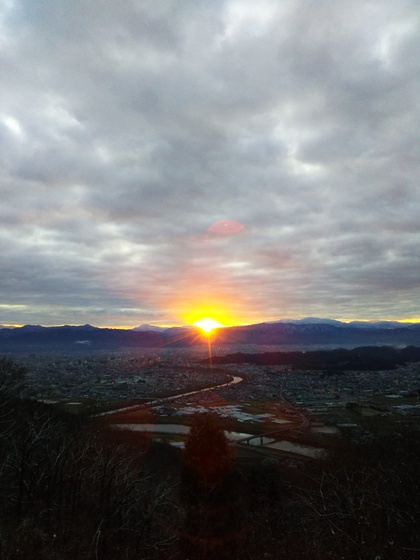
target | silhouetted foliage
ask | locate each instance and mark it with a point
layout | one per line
(70, 490)
(208, 455)
(11, 376)
(73, 489)
(209, 491)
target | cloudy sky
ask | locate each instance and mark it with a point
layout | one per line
(249, 160)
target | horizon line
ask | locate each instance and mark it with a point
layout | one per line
(413, 320)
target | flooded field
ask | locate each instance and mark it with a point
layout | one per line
(237, 437)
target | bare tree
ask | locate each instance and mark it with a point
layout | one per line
(11, 377)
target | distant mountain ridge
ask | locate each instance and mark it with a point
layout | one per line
(352, 324)
(147, 328)
(311, 331)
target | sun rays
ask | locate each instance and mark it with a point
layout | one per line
(207, 324)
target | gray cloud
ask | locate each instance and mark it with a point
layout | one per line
(128, 129)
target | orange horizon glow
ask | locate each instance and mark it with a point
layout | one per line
(221, 317)
(220, 313)
(207, 324)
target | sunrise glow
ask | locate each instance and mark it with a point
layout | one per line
(193, 310)
(207, 324)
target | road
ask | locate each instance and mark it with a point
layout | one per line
(156, 402)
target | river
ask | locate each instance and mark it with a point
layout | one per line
(234, 380)
(258, 441)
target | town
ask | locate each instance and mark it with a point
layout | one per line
(108, 380)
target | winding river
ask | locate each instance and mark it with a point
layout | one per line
(261, 441)
(156, 402)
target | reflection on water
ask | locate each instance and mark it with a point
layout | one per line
(267, 442)
(299, 449)
(175, 429)
(154, 428)
(325, 430)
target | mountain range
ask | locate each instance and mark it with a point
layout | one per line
(304, 332)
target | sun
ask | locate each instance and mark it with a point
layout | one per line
(207, 324)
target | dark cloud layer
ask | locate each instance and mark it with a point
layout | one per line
(128, 128)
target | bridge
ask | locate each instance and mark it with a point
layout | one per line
(304, 425)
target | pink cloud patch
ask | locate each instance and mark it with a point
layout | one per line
(226, 227)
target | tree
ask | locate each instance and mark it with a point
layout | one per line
(208, 455)
(210, 493)
(11, 382)
(11, 377)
